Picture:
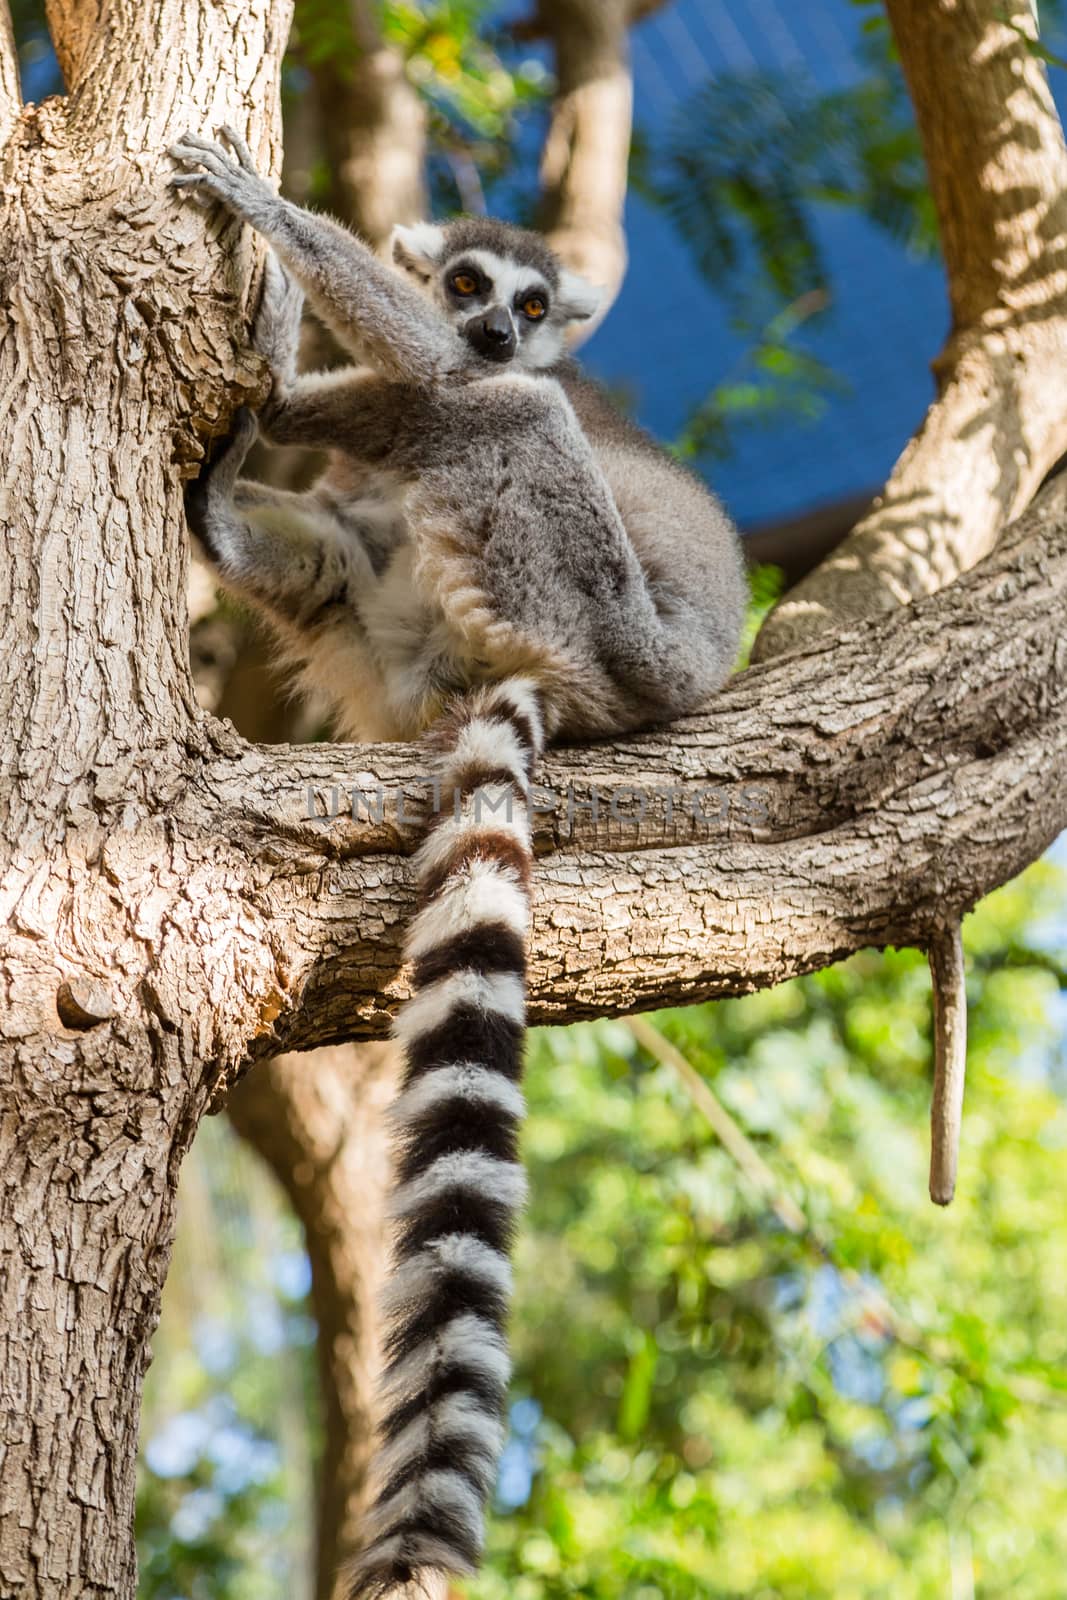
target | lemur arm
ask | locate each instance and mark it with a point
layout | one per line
(349, 410)
(368, 305)
(343, 408)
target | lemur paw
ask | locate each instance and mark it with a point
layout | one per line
(208, 496)
(276, 334)
(231, 179)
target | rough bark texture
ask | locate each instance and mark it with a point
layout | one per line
(9, 77)
(119, 332)
(998, 173)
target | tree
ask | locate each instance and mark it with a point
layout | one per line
(172, 908)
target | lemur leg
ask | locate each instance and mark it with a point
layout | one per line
(285, 553)
(368, 305)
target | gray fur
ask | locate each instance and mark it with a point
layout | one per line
(479, 517)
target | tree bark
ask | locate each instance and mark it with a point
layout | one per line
(998, 172)
(10, 99)
(120, 334)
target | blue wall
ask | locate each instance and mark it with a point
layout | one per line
(667, 340)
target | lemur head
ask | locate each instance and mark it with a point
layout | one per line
(506, 290)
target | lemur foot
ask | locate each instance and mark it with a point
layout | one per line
(276, 334)
(207, 498)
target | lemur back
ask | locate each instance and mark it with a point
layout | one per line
(494, 556)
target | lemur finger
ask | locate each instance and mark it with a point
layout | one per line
(240, 149)
(199, 152)
(209, 147)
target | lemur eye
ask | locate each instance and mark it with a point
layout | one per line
(463, 283)
(534, 307)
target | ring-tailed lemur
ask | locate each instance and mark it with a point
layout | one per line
(497, 556)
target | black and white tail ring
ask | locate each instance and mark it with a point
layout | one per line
(458, 1181)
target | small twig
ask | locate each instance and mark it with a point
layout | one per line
(950, 1061)
(733, 1140)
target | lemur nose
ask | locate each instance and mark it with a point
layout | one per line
(496, 325)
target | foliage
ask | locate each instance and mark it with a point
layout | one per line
(749, 167)
(751, 156)
(750, 163)
(775, 379)
(476, 85)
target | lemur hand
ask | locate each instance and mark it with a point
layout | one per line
(235, 182)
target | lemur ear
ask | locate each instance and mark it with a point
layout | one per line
(418, 249)
(578, 299)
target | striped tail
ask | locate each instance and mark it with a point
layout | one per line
(458, 1180)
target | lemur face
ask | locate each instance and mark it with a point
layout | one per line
(503, 287)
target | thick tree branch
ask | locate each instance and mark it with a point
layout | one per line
(998, 173)
(72, 24)
(992, 137)
(860, 794)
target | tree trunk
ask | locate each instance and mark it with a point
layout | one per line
(585, 161)
(119, 331)
(374, 132)
(319, 1121)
